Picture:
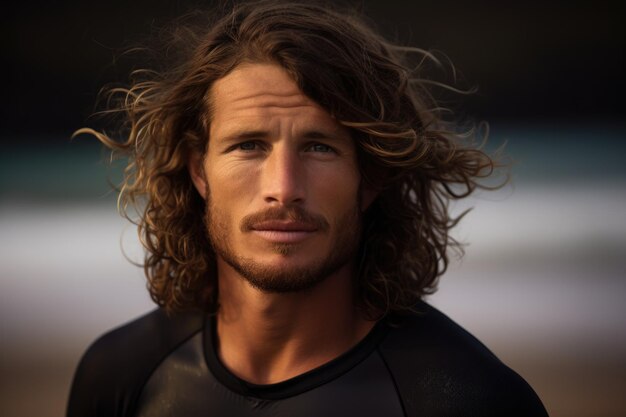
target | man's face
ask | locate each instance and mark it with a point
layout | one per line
(281, 182)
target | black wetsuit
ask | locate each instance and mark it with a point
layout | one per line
(425, 365)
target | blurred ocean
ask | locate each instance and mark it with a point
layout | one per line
(543, 281)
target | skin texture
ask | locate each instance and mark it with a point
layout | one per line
(284, 197)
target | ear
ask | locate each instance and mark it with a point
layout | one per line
(195, 166)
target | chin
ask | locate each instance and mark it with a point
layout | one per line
(285, 261)
(285, 274)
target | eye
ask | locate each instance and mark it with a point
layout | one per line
(247, 146)
(320, 147)
(251, 147)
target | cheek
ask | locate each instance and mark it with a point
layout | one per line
(232, 190)
(337, 188)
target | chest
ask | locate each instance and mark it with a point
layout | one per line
(183, 385)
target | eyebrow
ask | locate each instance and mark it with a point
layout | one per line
(262, 134)
(315, 134)
(246, 134)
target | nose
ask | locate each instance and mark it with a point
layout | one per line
(284, 177)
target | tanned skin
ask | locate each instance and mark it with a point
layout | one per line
(284, 197)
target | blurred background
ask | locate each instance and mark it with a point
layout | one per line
(543, 281)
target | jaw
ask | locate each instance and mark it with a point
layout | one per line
(287, 268)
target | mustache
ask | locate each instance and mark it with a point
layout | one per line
(295, 214)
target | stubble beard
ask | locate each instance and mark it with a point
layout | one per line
(272, 279)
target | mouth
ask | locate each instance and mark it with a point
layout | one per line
(284, 231)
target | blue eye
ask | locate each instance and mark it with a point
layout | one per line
(320, 147)
(247, 146)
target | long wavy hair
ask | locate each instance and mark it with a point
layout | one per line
(408, 148)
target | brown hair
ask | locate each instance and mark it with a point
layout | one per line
(407, 151)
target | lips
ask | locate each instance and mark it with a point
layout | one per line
(284, 226)
(284, 231)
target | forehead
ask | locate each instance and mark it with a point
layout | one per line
(260, 91)
(257, 78)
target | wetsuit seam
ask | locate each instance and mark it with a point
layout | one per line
(135, 401)
(393, 380)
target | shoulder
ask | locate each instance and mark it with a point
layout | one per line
(441, 369)
(114, 368)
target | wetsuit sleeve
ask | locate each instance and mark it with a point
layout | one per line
(440, 369)
(113, 371)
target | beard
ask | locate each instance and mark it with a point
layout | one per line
(343, 235)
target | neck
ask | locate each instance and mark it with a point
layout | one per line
(267, 338)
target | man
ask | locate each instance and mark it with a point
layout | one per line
(295, 178)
